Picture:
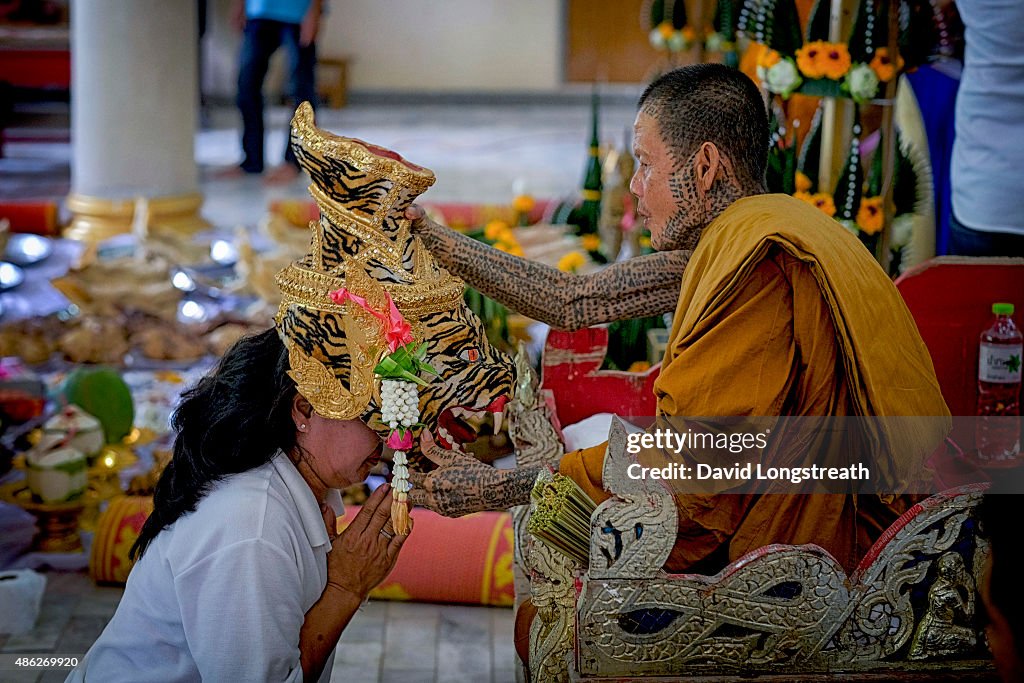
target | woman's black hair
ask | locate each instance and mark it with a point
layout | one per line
(233, 420)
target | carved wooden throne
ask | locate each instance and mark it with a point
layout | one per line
(908, 611)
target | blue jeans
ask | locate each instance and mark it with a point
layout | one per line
(964, 241)
(261, 39)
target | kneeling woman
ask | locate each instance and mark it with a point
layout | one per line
(241, 576)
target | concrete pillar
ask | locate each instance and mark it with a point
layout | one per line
(134, 100)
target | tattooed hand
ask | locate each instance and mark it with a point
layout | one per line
(639, 287)
(461, 484)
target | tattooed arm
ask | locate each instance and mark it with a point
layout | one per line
(461, 484)
(642, 286)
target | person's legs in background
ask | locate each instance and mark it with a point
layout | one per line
(260, 39)
(967, 242)
(303, 78)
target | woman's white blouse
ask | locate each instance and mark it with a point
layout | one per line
(222, 593)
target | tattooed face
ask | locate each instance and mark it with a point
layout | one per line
(668, 196)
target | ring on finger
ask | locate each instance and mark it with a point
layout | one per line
(386, 535)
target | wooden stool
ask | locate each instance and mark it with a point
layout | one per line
(335, 89)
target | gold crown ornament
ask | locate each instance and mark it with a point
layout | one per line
(368, 288)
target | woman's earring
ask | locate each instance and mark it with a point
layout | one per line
(302, 427)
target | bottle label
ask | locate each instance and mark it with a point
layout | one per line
(1000, 364)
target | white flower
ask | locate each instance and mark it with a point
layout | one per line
(399, 403)
(781, 78)
(714, 42)
(902, 227)
(677, 42)
(657, 40)
(862, 82)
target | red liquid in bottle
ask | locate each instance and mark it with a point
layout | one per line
(999, 379)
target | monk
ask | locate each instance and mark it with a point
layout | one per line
(778, 311)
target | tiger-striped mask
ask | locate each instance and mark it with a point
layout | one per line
(363, 242)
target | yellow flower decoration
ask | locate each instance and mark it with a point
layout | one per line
(665, 29)
(639, 366)
(644, 241)
(571, 262)
(509, 248)
(768, 59)
(835, 60)
(870, 216)
(883, 66)
(809, 60)
(497, 230)
(590, 242)
(804, 196)
(803, 183)
(689, 34)
(522, 203)
(823, 201)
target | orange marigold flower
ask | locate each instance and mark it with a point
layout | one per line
(571, 262)
(824, 202)
(809, 59)
(870, 216)
(835, 60)
(496, 230)
(689, 34)
(768, 59)
(666, 29)
(883, 66)
(804, 196)
(639, 366)
(522, 203)
(509, 248)
(803, 183)
(590, 242)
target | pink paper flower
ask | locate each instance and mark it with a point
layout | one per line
(398, 442)
(397, 331)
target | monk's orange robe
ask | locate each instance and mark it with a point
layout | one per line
(783, 312)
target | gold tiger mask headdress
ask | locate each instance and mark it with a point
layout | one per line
(363, 243)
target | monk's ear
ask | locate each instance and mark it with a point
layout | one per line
(707, 165)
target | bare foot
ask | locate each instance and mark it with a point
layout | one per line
(281, 175)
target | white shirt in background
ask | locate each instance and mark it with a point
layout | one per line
(987, 172)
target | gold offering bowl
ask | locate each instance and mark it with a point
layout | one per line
(57, 522)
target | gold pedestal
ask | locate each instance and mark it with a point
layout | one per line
(96, 218)
(57, 522)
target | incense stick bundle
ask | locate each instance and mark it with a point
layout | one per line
(561, 516)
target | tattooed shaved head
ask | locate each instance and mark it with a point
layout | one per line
(712, 103)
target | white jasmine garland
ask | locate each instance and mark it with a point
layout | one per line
(399, 410)
(862, 82)
(782, 78)
(714, 42)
